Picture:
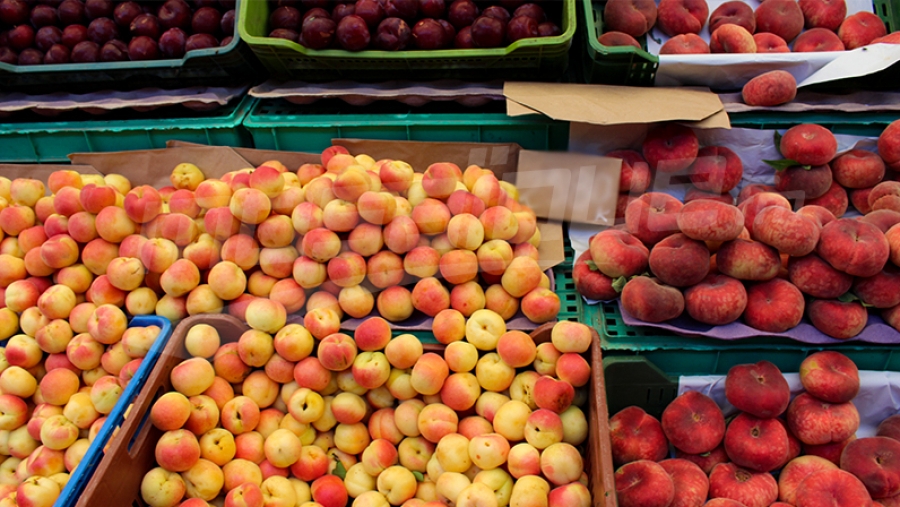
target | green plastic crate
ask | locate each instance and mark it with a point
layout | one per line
(636, 67)
(681, 355)
(607, 64)
(569, 298)
(280, 125)
(533, 58)
(52, 141)
(233, 64)
(869, 124)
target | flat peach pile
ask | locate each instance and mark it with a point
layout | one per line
(814, 446)
(759, 261)
(736, 28)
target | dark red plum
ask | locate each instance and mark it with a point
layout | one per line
(463, 39)
(353, 33)
(57, 54)
(341, 11)
(393, 34)
(449, 32)
(21, 37)
(13, 12)
(284, 33)
(200, 41)
(8, 55)
(429, 34)
(318, 32)
(172, 43)
(206, 20)
(146, 25)
(462, 13)
(114, 51)
(317, 12)
(531, 10)
(432, 8)
(548, 29)
(94, 9)
(407, 10)
(103, 30)
(86, 52)
(312, 4)
(175, 14)
(228, 5)
(142, 48)
(71, 12)
(47, 36)
(370, 11)
(487, 32)
(285, 17)
(44, 15)
(199, 4)
(125, 12)
(521, 27)
(227, 23)
(495, 11)
(31, 56)
(73, 34)
(226, 41)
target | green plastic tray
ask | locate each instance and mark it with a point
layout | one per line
(680, 355)
(636, 67)
(859, 124)
(51, 141)
(280, 125)
(231, 64)
(607, 64)
(570, 299)
(532, 59)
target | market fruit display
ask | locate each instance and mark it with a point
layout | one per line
(735, 27)
(761, 260)
(396, 25)
(808, 443)
(489, 418)
(89, 31)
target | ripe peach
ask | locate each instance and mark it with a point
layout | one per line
(744, 487)
(730, 38)
(636, 435)
(647, 299)
(676, 17)
(856, 248)
(861, 29)
(459, 266)
(838, 319)
(818, 39)
(717, 300)
(808, 144)
(771, 88)
(633, 17)
(686, 44)
(652, 216)
(735, 13)
(617, 253)
(748, 260)
(783, 18)
(679, 261)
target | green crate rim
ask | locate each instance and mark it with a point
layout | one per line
(268, 47)
(231, 115)
(148, 64)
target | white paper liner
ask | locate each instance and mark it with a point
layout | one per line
(360, 94)
(196, 98)
(732, 71)
(878, 398)
(751, 145)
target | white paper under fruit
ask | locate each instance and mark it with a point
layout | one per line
(732, 71)
(878, 398)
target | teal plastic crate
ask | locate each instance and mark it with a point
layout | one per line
(570, 299)
(280, 125)
(85, 469)
(688, 355)
(869, 124)
(532, 58)
(232, 64)
(52, 141)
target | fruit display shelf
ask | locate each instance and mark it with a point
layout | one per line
(95, 453)
(232, 64)
(626, 65)
(544, 57)
(280, 125)
(45, 141)
(868, 124)
(135, 448)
